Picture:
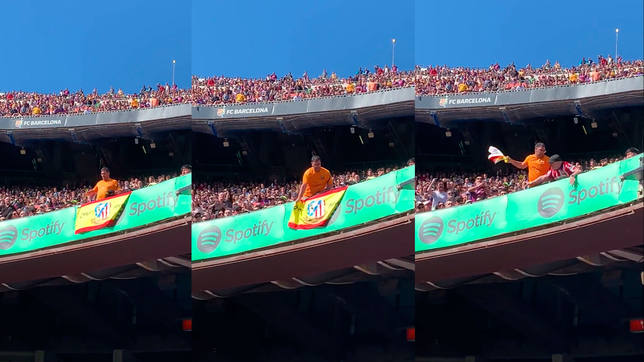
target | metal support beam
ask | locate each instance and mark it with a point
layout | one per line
(211, 124)
(435, 118)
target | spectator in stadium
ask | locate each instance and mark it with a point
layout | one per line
(558, 169)
(185, 169)
(461, 190)
(315, 179)
(479, 191)
(631, 152)
(105, 187)
(439, 197)
(536, 163)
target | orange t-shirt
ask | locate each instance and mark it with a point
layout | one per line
(536, 166)
(316, 181)
(103, 187)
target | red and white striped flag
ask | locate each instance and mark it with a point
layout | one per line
(496, 155)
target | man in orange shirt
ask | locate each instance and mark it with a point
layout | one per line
(104, 187)
(537, 163)
(315, 180)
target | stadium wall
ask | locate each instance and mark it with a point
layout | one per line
(312, 105)
(533, 95)
(99, 118)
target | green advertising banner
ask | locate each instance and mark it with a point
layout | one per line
(145, 206)
(362, 203)
(594, 190)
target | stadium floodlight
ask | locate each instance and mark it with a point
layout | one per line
(226, 143)
(393, 51)
(370, 134)
(616, 37)
(448, 133)
(593, 124)
(173, 63)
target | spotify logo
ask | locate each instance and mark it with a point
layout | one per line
(550, 202)
(209, 239)
(8, 236)
(430, 230)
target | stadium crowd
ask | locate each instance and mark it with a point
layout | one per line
(431, 80)
(440, 80)
(20, 104)
(212, 200)
(439, 190)
(221, 90)
(21, 201)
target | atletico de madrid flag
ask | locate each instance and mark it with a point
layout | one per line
(316, 211)
(99, 214)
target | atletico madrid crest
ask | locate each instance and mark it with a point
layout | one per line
(316, 211)
(315, 208)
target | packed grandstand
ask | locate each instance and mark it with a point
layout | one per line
(22, 200)
(439, 190)
(437, 80)
(214, 90)
(223, 199)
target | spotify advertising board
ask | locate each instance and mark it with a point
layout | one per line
(144, 206)
(556, 201)
(362, 203)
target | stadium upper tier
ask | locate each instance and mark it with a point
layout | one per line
(442, 80)
(22, 104)
(216, 90)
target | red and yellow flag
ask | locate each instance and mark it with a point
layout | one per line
(496, 155)
(99, 214)
(316, 211)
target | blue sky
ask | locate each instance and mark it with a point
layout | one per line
(480, 33)
(51, 45)
(48, 46)
(256, 38)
